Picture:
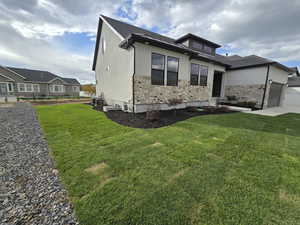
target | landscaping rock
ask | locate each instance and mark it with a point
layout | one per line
(30, 189)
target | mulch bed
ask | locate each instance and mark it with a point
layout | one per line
(165, 117)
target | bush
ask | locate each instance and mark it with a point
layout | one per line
(231, 98)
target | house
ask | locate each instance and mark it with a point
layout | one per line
(295, 72)
(35, 83)
(138, 70)
(292, 97)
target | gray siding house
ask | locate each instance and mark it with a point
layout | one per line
(138, 70)
(35, 83)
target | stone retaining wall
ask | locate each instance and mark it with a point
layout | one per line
(246, 92)
(146, 93)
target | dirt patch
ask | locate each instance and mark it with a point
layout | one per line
(96, 169)
(58, 101)
(176, 175)
(283, 195)
(166, 118)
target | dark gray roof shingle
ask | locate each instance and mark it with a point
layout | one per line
(132, 33)
(40, 76)
(294, 81)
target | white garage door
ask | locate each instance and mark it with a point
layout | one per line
(292, 97)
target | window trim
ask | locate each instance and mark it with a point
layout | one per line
(164, 69)
(26, 89)
(75, 89)
(12, 87)
(199, 75)
(203, 85)
(52, 88)
(172, 71)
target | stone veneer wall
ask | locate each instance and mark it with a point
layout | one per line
(246, 92)
(145, 93)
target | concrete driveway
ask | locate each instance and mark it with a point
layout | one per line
(276, 111)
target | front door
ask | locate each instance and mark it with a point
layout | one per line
(3, 89)
(275, 94)
(217, 85)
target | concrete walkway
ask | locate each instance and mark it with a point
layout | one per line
(276, 111)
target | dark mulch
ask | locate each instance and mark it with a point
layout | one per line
(165, 117)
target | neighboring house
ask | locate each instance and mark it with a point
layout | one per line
(138, 70)
(295, 72)
(35, 83)
(292, 97)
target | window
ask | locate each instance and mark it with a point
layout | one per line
(157, 69)
(197, 45)
(21, 87)
(208, 49)
(10, 87)
(203, 75)
(36, 88)
(56, 88)
(195, 74)
(75, 89)
(172, 71)
(28, 87)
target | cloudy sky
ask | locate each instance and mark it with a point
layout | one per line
(59, 35)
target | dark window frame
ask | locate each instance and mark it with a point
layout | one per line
(163, 70)
(191, 74)
(203, 75)
(167, 69)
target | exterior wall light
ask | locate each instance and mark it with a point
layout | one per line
(270, 81)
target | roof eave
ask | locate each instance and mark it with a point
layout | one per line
(189, 35)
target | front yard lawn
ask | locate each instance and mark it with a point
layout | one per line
(216, 169)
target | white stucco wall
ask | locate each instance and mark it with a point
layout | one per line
(278, 75)
(249, 76)
(292, 97)
(114, 69)
(143, 63)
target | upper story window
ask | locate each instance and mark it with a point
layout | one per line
(208, 49)
(157, 69)
(172, 71)
(199, 71)
(196, 45)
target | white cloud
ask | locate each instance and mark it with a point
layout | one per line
(265, 27)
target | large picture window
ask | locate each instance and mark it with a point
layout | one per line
(203, 75)
(172, 71)
(157, 69)
(195, 74)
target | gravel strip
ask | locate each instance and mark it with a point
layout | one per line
(30, 190)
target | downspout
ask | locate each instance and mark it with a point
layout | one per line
(133, 97)
(265, 89)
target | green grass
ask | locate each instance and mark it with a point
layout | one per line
(216, 169)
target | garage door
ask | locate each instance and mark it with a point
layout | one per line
(275, 94)
(292, 97)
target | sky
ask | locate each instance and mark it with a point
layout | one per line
(59, 35)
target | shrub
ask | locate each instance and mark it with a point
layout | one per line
(231, 98)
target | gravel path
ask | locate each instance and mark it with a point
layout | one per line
(30, 190)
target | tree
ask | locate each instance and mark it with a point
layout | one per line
(89, 89)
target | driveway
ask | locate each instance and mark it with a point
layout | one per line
(30, 190)
(276, 111)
